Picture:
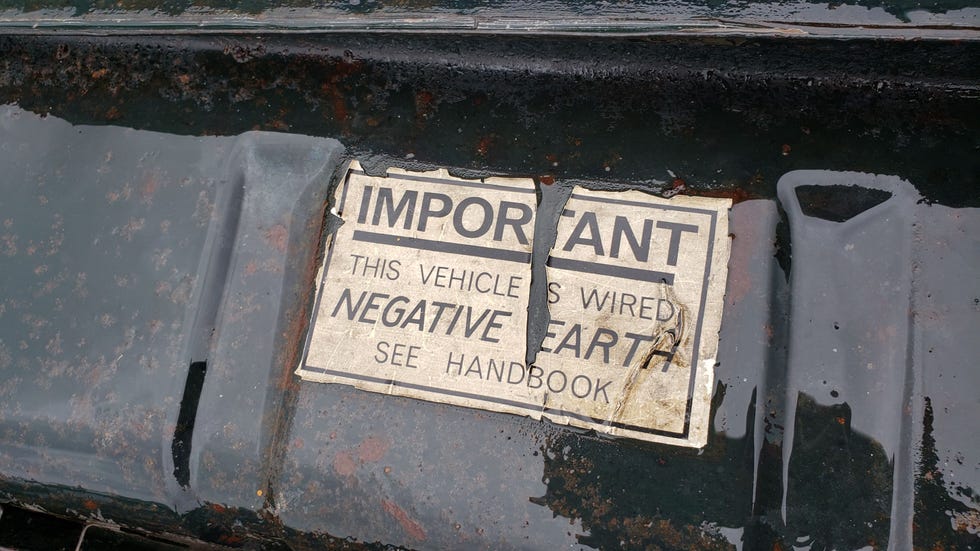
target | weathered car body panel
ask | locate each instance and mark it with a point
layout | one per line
(153, 392)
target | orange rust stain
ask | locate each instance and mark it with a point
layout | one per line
(112, 114)
(90, 505)
(340, 112)
(786, 149)
(372, 449)
(840, 420)
(96, 75)
(149, 189)
(737, 195)
(344, 464)
(740, 263)
(411, 527)
(218, 508)
(423, 99)
(298, 320)
(277, 236)
(483, 147)
(547, 180)
(331, 89)
(423, 104)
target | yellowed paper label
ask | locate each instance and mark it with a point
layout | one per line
(635, 290)
(425, 287)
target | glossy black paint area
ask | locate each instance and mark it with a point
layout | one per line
(716, 115)
(838, 203)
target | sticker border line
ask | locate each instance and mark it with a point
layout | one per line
(487, 399)
(481, 398)
(434, 180)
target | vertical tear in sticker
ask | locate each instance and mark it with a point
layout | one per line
(425, 291)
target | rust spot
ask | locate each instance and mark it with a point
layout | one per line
(786, 149)
(340, 112)
(840, 420)
(300, 316)
(737, 194)
(411, 527)
(483, 147)
(335, 94)
(277, 236)
(217, 508)
(230, 539)
(149, 189)
(967, 521)
(90, 505)
(372, 449)
(423, 104)
(547, 180)
(113, 113)
(740, 265)
(344, 464)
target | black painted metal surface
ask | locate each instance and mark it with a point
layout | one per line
(845, 397)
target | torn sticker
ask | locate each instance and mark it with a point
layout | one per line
(635, 292)
(425, 287)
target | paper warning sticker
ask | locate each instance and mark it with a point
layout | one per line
(425, 287)
(635, 291)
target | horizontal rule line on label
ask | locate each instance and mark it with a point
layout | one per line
(459, 183)
(442, 246)
(596, 268)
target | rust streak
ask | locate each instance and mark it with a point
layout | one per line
(411, 527)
